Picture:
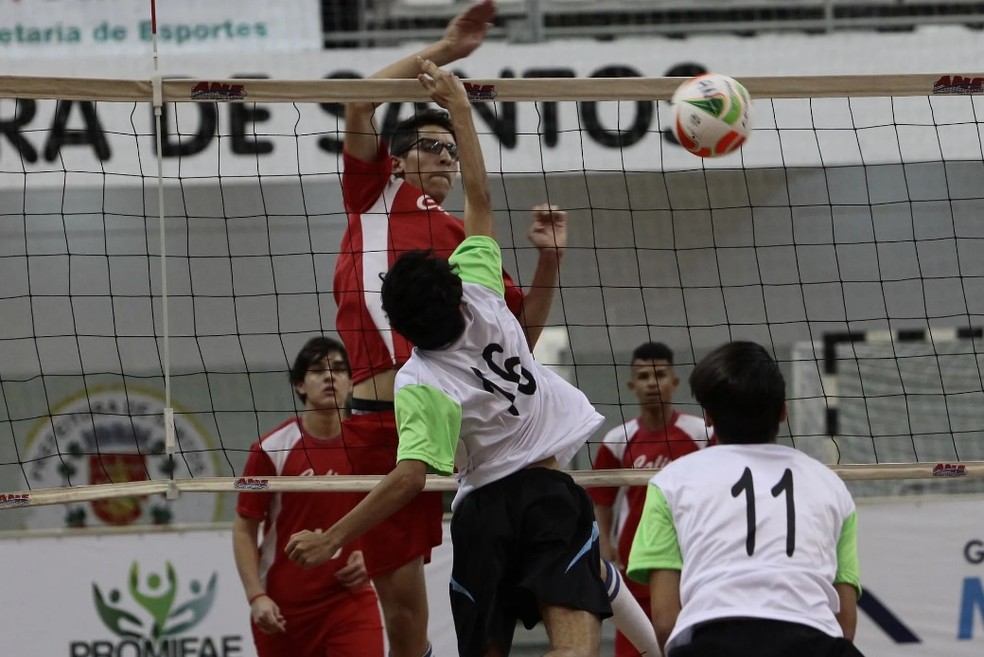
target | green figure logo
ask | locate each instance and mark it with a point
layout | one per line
(157, 597)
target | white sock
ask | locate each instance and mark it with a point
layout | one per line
(630, 618)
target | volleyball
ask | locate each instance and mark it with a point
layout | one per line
(712, 115)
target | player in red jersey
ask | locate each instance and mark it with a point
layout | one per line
(659, 435)
(332, 609)
(393, 193)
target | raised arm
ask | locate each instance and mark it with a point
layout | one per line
(463, 35)
(447, 91)
(548, 233)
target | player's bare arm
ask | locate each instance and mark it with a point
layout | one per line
(548, 233)
(463, 35)
(313, 548)
(664, 586)
(604, 517)
(262, 608)
(847, 617)
(247, 555)
(446, 90)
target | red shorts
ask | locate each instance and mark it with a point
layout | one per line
(370, 444)
(345, 625)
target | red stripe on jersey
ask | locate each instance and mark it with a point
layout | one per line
(642, 449)
(386, 218)
(288, 450)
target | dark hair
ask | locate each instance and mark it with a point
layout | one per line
(407, 131)
(421, 295)
(653, 351)
(314, 351)
(740, 385)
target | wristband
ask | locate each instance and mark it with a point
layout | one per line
(255, 598)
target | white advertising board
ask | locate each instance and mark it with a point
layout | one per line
(109, 594)
(56, 29)
(105, 595)
(922, 570)
(113, 143)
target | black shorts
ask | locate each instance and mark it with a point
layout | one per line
(753, 637)
(521, 542)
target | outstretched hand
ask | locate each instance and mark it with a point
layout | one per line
(466, 31)
(549, 228)
(444, 87)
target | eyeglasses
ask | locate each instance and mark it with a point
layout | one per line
(335, 365)
(435, 146)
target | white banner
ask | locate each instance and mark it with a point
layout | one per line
(82, 28)
(922, 568)
(113, 143)
(114, 592)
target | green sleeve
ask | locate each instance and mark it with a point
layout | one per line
(428, 422)
(848, 571)
(479, 261)
(655, 546)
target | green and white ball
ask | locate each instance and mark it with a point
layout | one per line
(712, 115)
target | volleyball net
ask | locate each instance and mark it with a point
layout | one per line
(160, 278)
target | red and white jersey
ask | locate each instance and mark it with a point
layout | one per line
(386, 218)
(285, 451)
(633, 446)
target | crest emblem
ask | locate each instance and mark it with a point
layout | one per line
(117, 469)
(112, 435)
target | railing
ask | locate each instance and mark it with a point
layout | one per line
(365, 23)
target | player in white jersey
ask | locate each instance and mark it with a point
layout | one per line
(471, 398)
(749, 548)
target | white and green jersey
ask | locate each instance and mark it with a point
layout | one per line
(760, 531)
(482, 405)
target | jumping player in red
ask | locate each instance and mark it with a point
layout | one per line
(659, 435)
(371, 436)
(330, 610)
(393, 192)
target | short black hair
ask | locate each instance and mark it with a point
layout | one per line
(421, 296)
(314, 351)
(740, 385)
(653, 351)
(407, 131)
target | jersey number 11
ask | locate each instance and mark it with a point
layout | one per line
(785, 485)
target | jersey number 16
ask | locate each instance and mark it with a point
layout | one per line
(507, 372)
